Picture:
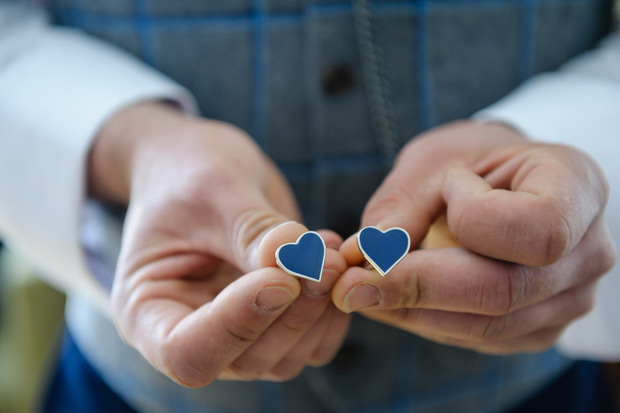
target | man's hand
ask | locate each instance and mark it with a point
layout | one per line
(529, 217)
(197, 290)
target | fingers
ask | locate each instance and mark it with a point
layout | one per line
(334, 265)
(484, 330)
(293, 325)
(410, 197)
(332, 339)
(457, 297)
(454, 279)
(260, 251)
(259, 233)
(249, 337)
(532, 205)
(513, 226)
(318, 346)
(193, 346)
(298, 357)
(554, 194)
(446, 279)
(351, 252)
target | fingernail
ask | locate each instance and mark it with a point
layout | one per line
(361, 297)
(273, 298)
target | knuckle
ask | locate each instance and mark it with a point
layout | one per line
(321, 359)
(556, 237)
(609, 256)
(188, 376)
(251, 366)
(596, 260)
(545, 339)
(505, 291)
(298, 324)
(521, 285)
(601, 254)
(323, 356)
(404, 316)
(492, 328)
(456, 214)
(586, 303)
(286, 370)
(495, 297)
(243, 372)
(241, 333)
(176, 365)
(428, 145)
(405, 294)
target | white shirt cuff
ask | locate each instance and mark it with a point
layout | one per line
(56, 94)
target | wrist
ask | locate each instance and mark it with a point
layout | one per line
(119, 142)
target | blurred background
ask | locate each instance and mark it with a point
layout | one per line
(31, 324)
(30, 331)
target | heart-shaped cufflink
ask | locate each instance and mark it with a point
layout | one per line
(383, 249)
(303, 258)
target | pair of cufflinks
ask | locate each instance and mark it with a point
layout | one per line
(305, 257)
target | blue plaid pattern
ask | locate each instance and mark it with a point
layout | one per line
(261, 64)
(258, 64)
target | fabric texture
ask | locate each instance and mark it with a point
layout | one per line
(378, 369)
(583, 388)
(272, 84)
(290, 72)
(269, 67)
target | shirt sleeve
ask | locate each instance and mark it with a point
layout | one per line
(57, 87)
(579, 105)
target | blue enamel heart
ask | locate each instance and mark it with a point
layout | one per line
(304, 258)
(383, 249)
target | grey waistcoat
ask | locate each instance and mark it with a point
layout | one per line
(330, 90)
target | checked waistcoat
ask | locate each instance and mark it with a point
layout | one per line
(331, 89)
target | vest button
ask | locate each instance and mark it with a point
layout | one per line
(337, 79)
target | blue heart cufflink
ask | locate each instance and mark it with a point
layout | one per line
(383, 249)
(303, 258)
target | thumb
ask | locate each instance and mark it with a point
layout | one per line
(258, 240)
(242, 215)
(258, 219)
(258, 233)
(254, 234)
(256, 243)
(406, 203)
(410, 198)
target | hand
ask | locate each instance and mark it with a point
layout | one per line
(196, 289)
(529, 217)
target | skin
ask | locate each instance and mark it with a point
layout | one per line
(198, 293)
(527, 240)
(197, 290)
